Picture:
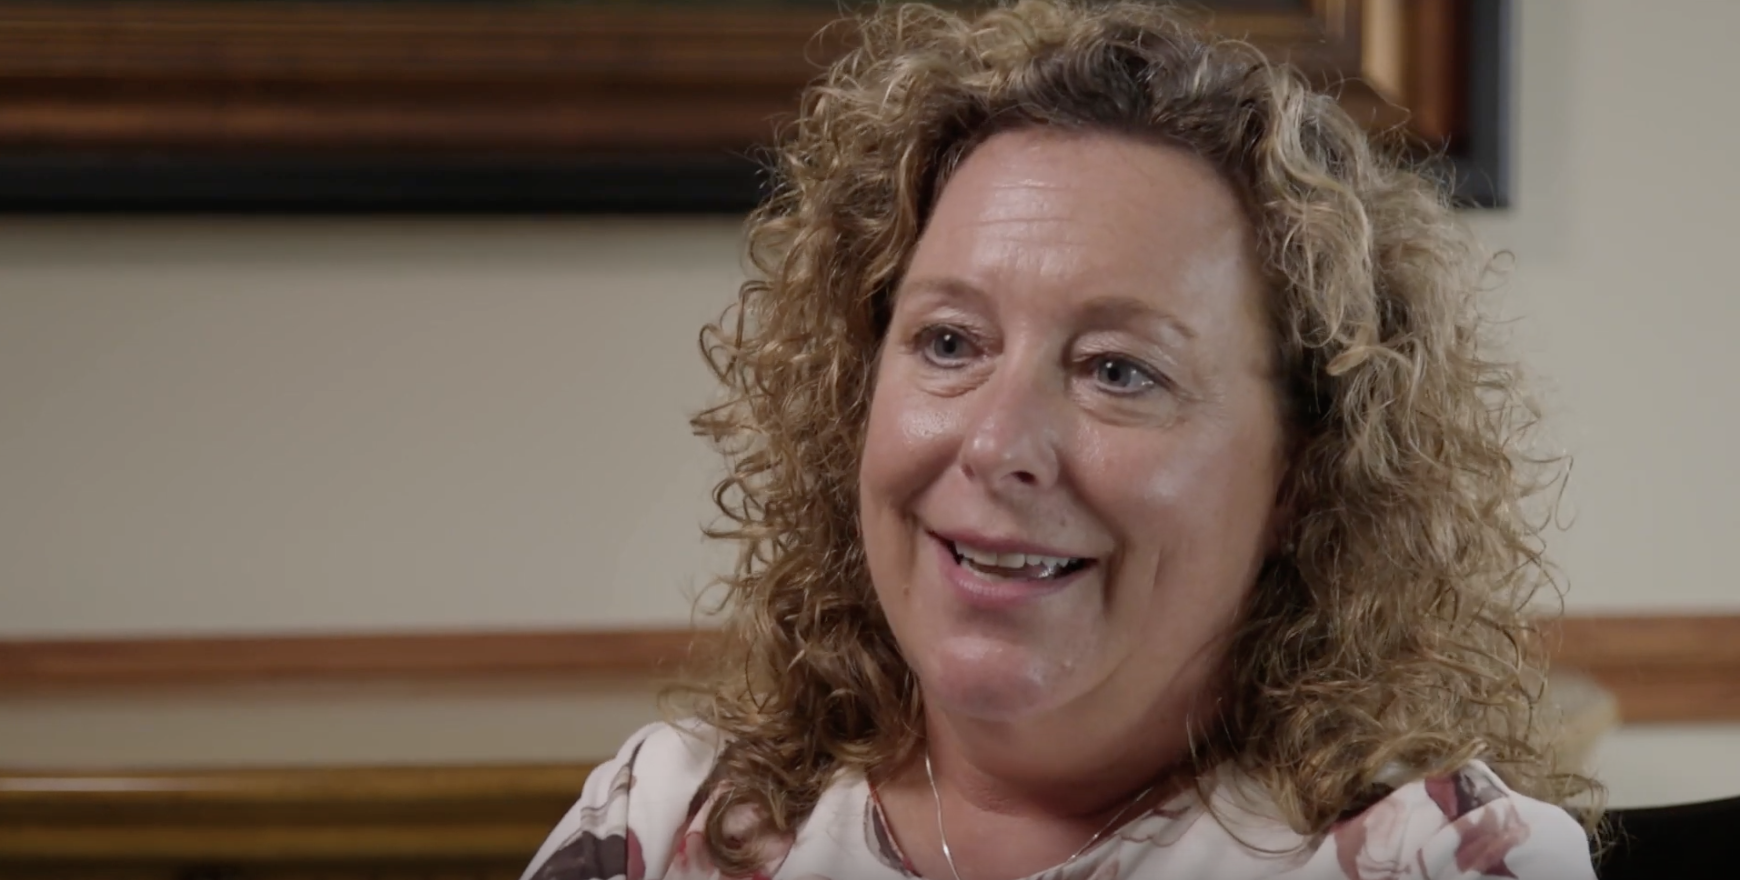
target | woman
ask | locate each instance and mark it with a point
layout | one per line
(1120, 494)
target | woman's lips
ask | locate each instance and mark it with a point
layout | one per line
(987, 592)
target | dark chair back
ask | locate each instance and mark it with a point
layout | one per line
(1678, 842)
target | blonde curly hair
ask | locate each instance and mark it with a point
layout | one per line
(1390, 633)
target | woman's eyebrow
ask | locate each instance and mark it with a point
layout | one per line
(944, 287)
(1112, 311)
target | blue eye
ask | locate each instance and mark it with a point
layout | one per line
(1122, 376)
(946, 345)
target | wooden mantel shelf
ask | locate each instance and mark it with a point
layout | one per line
(1661, 668)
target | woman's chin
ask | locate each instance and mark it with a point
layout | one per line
(993, 680)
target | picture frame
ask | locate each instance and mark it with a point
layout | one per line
(570, 105)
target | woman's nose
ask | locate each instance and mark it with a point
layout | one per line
(1012, 439)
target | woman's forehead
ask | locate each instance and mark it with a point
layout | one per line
(1077, 217)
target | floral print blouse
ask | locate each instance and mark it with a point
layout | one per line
(641, 816)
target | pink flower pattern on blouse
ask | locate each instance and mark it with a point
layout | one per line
(1369, 846)
(642, 816)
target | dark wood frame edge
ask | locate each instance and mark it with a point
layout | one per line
(716, 174)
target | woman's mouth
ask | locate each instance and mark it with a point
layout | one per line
(1015, 566)
(1001, 575)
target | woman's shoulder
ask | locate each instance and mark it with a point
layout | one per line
(633, 807)
(1460, 825)
(664, 752)
(1463, 824)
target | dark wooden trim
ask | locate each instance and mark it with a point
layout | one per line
(35, 665)
(469, 821)
(214, 105)
(303, 106)
(1660, 642)
(1662, 668)
(356, 77)
(723, 184)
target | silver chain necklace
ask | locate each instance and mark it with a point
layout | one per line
(944, 836)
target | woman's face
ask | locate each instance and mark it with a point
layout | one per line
(1074, 446)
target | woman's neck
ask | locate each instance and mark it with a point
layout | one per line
(1017, 799)
(1080, 771)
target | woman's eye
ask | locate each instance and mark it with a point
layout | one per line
(1123, 376)
(945, 345)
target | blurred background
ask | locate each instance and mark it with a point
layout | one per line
(345, 364)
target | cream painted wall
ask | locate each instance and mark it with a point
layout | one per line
(1623, 235)
(268, 424)
(317, 425)
(1623, 240)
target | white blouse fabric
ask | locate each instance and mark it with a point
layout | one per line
(641, 816)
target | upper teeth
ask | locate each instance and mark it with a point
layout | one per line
(1009, 560)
